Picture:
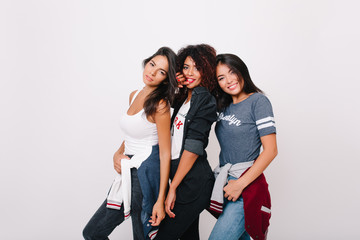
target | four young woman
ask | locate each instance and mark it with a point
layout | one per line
(245, 122)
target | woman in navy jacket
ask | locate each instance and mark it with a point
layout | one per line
(191, 175)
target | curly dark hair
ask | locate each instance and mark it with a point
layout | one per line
(205, 59)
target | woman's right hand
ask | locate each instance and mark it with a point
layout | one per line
(181, 80)
(117, 161)
(158, 213)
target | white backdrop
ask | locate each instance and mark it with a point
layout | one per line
(67, 67)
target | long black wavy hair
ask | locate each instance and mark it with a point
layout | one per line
(166, 89)
(240, 69)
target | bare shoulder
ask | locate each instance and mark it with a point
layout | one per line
(163, 107)
(132, 95)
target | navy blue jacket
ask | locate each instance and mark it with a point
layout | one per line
(149, 178)
(198, 121)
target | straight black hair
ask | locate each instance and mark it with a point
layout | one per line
(240, 69)
(166, 89)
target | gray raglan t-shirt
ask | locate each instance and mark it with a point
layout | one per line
(240, 126)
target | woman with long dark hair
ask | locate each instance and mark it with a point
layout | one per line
(246, 122)
(191, 175)
(143, 159)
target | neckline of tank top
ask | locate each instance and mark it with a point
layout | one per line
(133, 114)
(132, 101)
(138, 114)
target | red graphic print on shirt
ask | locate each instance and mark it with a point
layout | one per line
(178, 123)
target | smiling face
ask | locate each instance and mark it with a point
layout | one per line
(155, 71)
(191, 73)
(229, 81)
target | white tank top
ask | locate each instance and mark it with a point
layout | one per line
(138, 131)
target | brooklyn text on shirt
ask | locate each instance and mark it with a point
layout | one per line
(230, 118)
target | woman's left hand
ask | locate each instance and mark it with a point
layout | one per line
(170, 202)
(158, 213)
(233, 190)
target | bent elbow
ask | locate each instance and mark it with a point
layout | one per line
(275, 152)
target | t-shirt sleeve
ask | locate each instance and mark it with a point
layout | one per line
(264, 117)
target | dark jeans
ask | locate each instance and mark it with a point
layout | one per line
(185, 225)
(198, 182)
(105, 220)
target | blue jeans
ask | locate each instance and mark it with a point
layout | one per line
(231, 223)
(105, 220)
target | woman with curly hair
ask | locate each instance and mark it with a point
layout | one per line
(190, 173)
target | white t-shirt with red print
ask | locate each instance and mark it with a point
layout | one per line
(177, 131)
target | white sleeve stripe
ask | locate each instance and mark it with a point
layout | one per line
(265, 120)
(265, 209)
(265, 125)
